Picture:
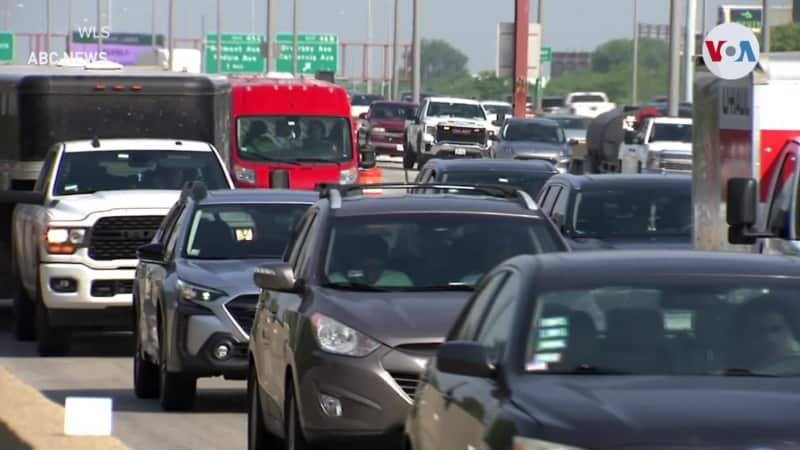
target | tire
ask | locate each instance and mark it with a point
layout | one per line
(294, 430)
(51, 341)
(145, 372)
(258, 437)
(23, 324)
(177, 391)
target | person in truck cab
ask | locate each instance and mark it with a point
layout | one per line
(765, 337)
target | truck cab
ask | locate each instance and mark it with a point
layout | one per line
(662, 145)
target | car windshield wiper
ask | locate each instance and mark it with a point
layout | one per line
(279, 160)
(317, 160)
(741, 372)
(350, 286)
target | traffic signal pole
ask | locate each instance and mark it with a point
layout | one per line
(522, 13)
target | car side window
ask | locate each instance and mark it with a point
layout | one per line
(172, 235)
(47, 168)
(781, 208)
(307, 247)
(550, 201)
(560, 207)
(299, 243)
(481, 299)
(542, 197)
(293, 247)
(495, 329)
(164, 230)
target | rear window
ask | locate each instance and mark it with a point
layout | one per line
(587, 99)
(529, 182)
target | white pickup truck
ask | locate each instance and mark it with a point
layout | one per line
(663, 144)
(587, 104)
(75, 236)
(447, 128)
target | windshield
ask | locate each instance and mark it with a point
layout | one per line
(636, 212)
(242, 231)
(587, 99)
(572, 123)
(294, 139)
(103, 170)
(497, 109)
(673, 132)
(429, 251)
(459, 110)
(552, 102)
(529, 182)
(533, 132)
(364, 100)
(386, 111)
(670, 325)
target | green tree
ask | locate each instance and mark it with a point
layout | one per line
(440, 60)
(785, 38)
(652, 53)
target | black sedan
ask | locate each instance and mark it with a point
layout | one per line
(528, 176)
(639, 350)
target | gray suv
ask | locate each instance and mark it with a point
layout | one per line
(194, 297)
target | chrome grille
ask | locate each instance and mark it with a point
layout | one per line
(110, 288)
(119, 237)
(243, 311)
(461, 135)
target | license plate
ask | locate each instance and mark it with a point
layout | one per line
(399, 147)
(460, 151)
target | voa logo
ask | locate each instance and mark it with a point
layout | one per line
(731, 51)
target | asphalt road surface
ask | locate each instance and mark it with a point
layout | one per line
(393, 171)
(101, 366)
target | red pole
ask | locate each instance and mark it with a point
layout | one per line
(522, 14)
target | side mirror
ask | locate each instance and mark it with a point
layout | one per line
(464, 358)
(741, 207)
(494, 137)
(279, 179)
(151, 253)
(22, 197)
(368, 159)
(363, 116)
(278, 276)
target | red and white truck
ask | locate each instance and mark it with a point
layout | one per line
(741, 130)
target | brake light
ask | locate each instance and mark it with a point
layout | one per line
(99, 87)
(119, 87)
(136, 88)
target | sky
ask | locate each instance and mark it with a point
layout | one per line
(470, 25)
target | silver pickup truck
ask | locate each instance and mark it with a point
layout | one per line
(74, 238)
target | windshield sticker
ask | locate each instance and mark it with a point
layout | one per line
(503, 180)
(552, 345)
(540, 361)
(70, 187)
(123, 156)
(244, 234)
(551, 322)
(553, 332)
(355, 274)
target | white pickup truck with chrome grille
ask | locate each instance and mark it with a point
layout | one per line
(75, 236)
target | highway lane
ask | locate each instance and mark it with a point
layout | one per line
(101, 366)
(393, 170)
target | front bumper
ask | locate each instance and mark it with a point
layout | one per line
(94, 298)
(455, 150)
(375, 394)
(387, 148)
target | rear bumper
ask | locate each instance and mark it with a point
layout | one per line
(386, 148)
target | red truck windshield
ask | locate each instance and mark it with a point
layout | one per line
(294, 139)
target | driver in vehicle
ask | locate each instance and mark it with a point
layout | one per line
(368, 265)
(767, 337)
(316, 139)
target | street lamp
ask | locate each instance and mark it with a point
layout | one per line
(295, 23)
(416, 79)
(635, 82)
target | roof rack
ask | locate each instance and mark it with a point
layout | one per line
(335, 191)
(197, 190)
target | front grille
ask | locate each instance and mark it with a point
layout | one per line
(243, 310)
(461, 135)
(407, 381)
(110, 288)
(673, 164)
(119, 237)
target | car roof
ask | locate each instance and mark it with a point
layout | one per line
(565, 116)
(677, 120)
(432, 204)
(495, 103)
(136, 144)
(233, 196)
(453, 100)
(615, 180)
(392, 103)
(596, 264)
(515, 165)
(539, 120)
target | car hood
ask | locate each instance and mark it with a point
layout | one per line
(389, 125)
(671, 146)
(647, 412)
(234, 277)
(79, 207)
(575, 134)
(644, 243)
(395, 318)
(455, 122)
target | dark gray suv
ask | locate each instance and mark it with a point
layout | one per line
(194, 297)
(368, 289)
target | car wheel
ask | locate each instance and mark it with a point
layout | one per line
(408, 158)
(23, 312)
(294, 430)
(258, 437)
(52, 341)
(177, 391)
(145, 372)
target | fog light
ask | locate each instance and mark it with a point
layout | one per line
(63, 285)
(331, 406)
(222, 351)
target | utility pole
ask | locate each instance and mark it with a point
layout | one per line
(295, 26)
(675, 57)
(99, 26)
(270, 33)
(416, 79)
(368, 47)
(171, 33)
(396, 52)
(69, 28)
(522, 10)
(110, 12)
(154, 30)
(49, 15)
(635, 75)
(765, 26)
(688, 51)
(703, 20)
(540, 79)
(252, 16)
(219, 36)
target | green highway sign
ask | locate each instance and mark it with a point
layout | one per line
(6, 47)
(546, 54)
(315, 53)
(241, 53)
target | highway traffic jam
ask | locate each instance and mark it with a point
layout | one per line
(581, 277)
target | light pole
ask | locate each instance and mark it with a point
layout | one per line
(171, 33)
(675, 57)
(99, 26)
(110, 11)
(539, 90)
(295, 26)
(154, 29)
(270, 32)
(396, 52)
(368, 48)
(416, 78)
(688, 51)
(764, 26)
(219, 36)
(69, 28)
(252, 16)
(49, 14)
(635, 82)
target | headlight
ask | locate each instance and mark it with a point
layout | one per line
(192, 293)
(521, 443)
(64, 241)
(337, 338)
(244, 174)
(348, 176)
(377, 130)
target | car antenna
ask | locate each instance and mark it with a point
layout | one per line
(96, 142)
